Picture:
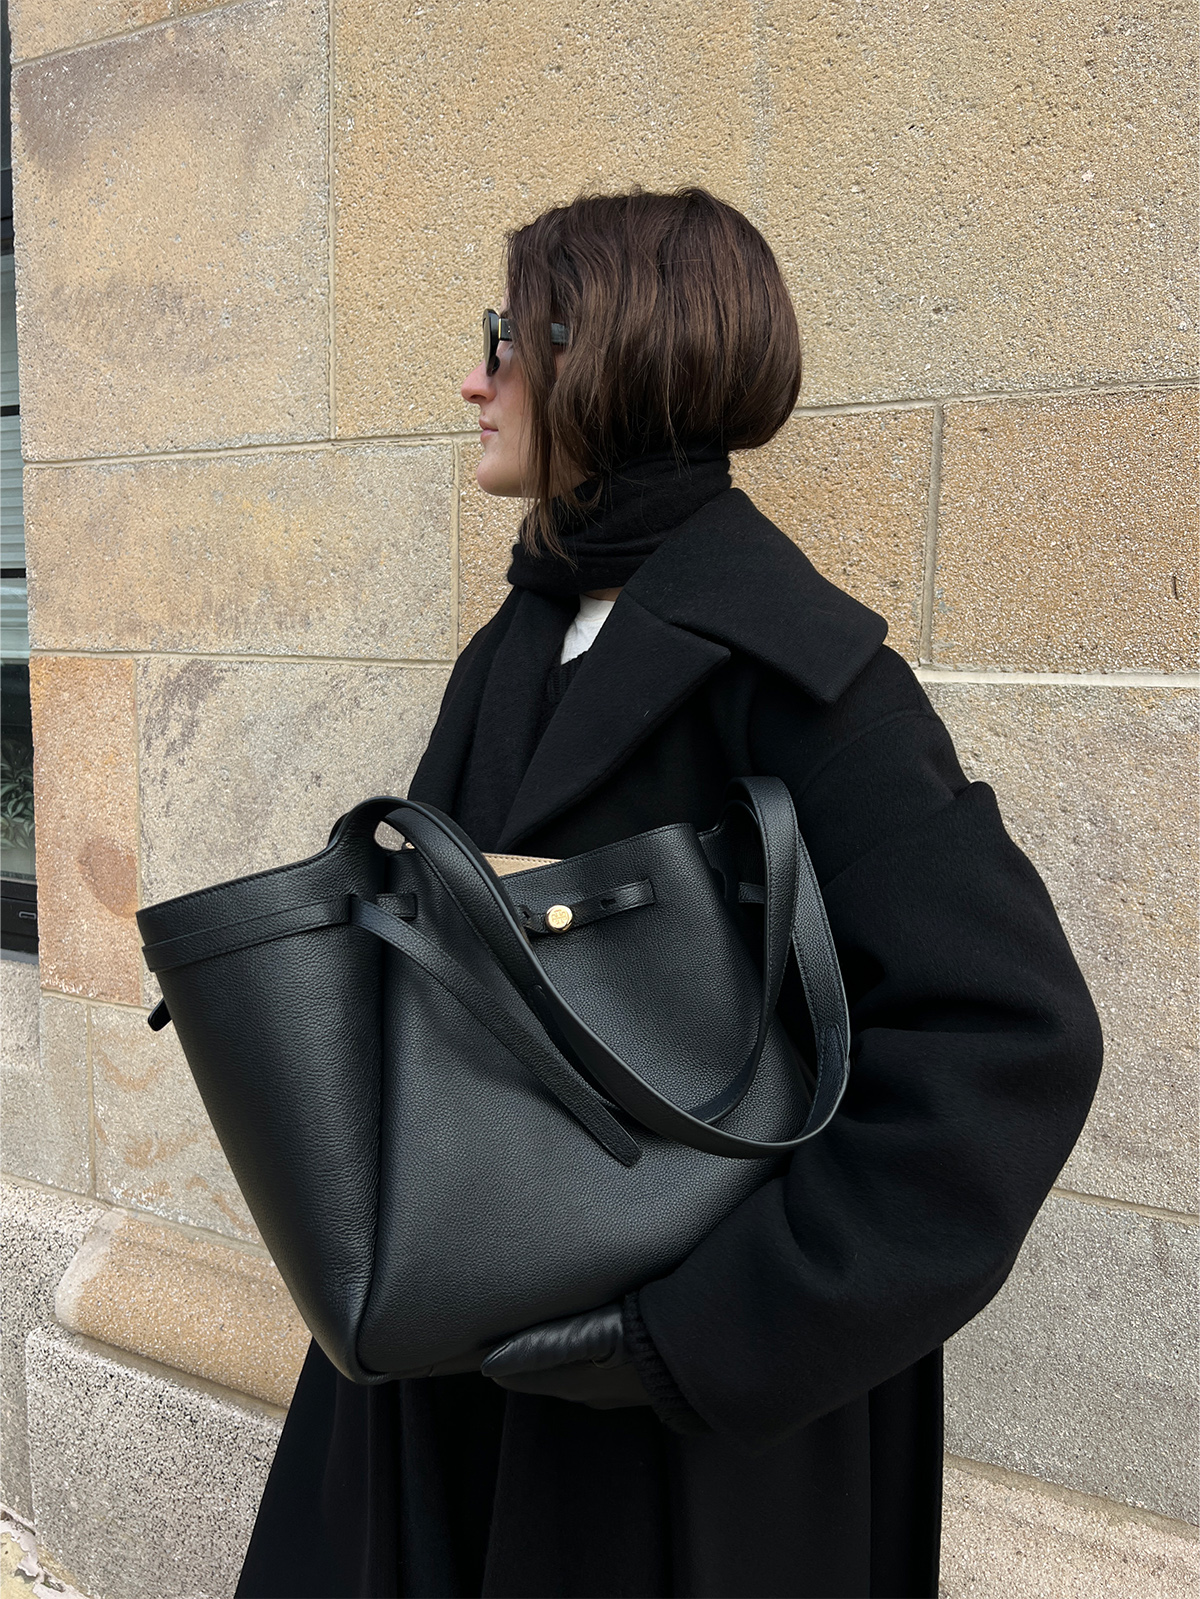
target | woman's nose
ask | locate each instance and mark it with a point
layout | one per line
(476, 386)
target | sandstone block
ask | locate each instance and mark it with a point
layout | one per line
(853, 492)
(85, 794)
(155, 1147)
(45, 1128)
(145, 1487)
(18, 1013)
(963, 201)
(1005, 1535)
(39, 1233)
(247, 765)
(487, 531)
(325, 552)
(171, 203)
(1067, 534)
(39, 26)
(439, 150)
(1080, 1370)
(1097, 786)
(190, 1304)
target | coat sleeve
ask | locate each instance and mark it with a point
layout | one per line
(975, 1054)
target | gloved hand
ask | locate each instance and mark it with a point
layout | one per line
(582, 1357)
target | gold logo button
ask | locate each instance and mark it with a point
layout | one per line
(559, 918)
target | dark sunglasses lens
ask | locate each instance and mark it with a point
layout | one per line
(491, 329)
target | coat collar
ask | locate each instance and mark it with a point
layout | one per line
(730, 574)
(727, 580)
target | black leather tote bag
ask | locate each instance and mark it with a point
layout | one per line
(462, 1095)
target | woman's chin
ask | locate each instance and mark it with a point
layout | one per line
(493, 480)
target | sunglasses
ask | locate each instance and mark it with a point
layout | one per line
(497, 327)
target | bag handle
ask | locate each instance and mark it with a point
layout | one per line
(491, 914)
(792, 903)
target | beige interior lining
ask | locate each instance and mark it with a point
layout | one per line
(505, 865)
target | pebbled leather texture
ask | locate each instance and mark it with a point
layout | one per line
(447, 1133)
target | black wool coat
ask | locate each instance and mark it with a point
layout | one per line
(805, 1332)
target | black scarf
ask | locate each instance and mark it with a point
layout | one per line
(638, 507)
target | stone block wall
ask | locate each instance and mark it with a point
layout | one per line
(253, 242)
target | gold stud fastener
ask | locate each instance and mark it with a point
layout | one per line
(559, 918)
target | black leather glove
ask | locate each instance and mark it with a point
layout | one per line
(583, 1358)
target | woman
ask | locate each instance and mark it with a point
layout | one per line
(766, 1419)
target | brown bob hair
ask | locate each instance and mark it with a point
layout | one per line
(682, 335)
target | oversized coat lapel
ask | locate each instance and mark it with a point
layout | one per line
(439, 771)
(506, 728)
(635, 674)
(728, 580)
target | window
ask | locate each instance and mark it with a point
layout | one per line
(18, 894)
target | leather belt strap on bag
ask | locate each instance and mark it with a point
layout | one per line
(562, 918)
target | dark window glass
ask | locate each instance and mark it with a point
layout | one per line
(18, 896)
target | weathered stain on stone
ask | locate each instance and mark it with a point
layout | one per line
(174, 284)
(140, 1154)
(172, 714)
(85, 792)
(109, 868)
(155, 1147)
(233, 1209)
(328, 734)
(113, 1065)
